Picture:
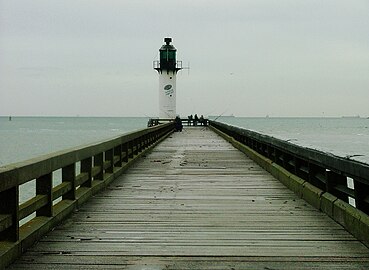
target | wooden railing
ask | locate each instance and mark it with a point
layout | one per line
(325, 171)
(98, 164)
(185, 121)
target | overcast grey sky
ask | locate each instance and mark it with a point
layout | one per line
(248, 58)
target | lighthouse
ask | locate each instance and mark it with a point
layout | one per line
(167, 68)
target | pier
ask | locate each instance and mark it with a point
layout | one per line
(209, 197)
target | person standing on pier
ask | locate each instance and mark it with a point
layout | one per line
(178, 124)
(201, 120)
(189, 120)
(196, 119)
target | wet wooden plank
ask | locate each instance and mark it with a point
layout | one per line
(196, 202)
(190, 263)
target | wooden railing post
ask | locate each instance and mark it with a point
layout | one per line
(44, 186)
(140, 144)
(69, 175)
(86, 167)
(130, 149)
(361, 196)
(99, 162)
(334, 180)
(125, 149)
(152, 138)
(118, 152)
(109, 156)
(317, 176)
(145, 141)
(135, 145)
(9, 205)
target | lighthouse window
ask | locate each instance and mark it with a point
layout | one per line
(163, 55)
(171, 54)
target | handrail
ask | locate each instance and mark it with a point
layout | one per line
(323, 170)
(188, 122)
(100, 162)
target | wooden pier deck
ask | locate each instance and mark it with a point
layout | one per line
(196, 202)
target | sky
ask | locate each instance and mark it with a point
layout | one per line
(282, 58)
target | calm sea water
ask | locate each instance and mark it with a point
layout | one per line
(340, 136)
(26, 137)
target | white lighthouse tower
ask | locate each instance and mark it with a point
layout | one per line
(167, 67)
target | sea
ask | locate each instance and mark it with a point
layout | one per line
(27, 137)
(342, 136)
(23, 138)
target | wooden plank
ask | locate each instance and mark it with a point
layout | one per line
(193, 201)
(48, 261)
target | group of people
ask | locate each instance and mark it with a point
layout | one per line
(193, 120)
